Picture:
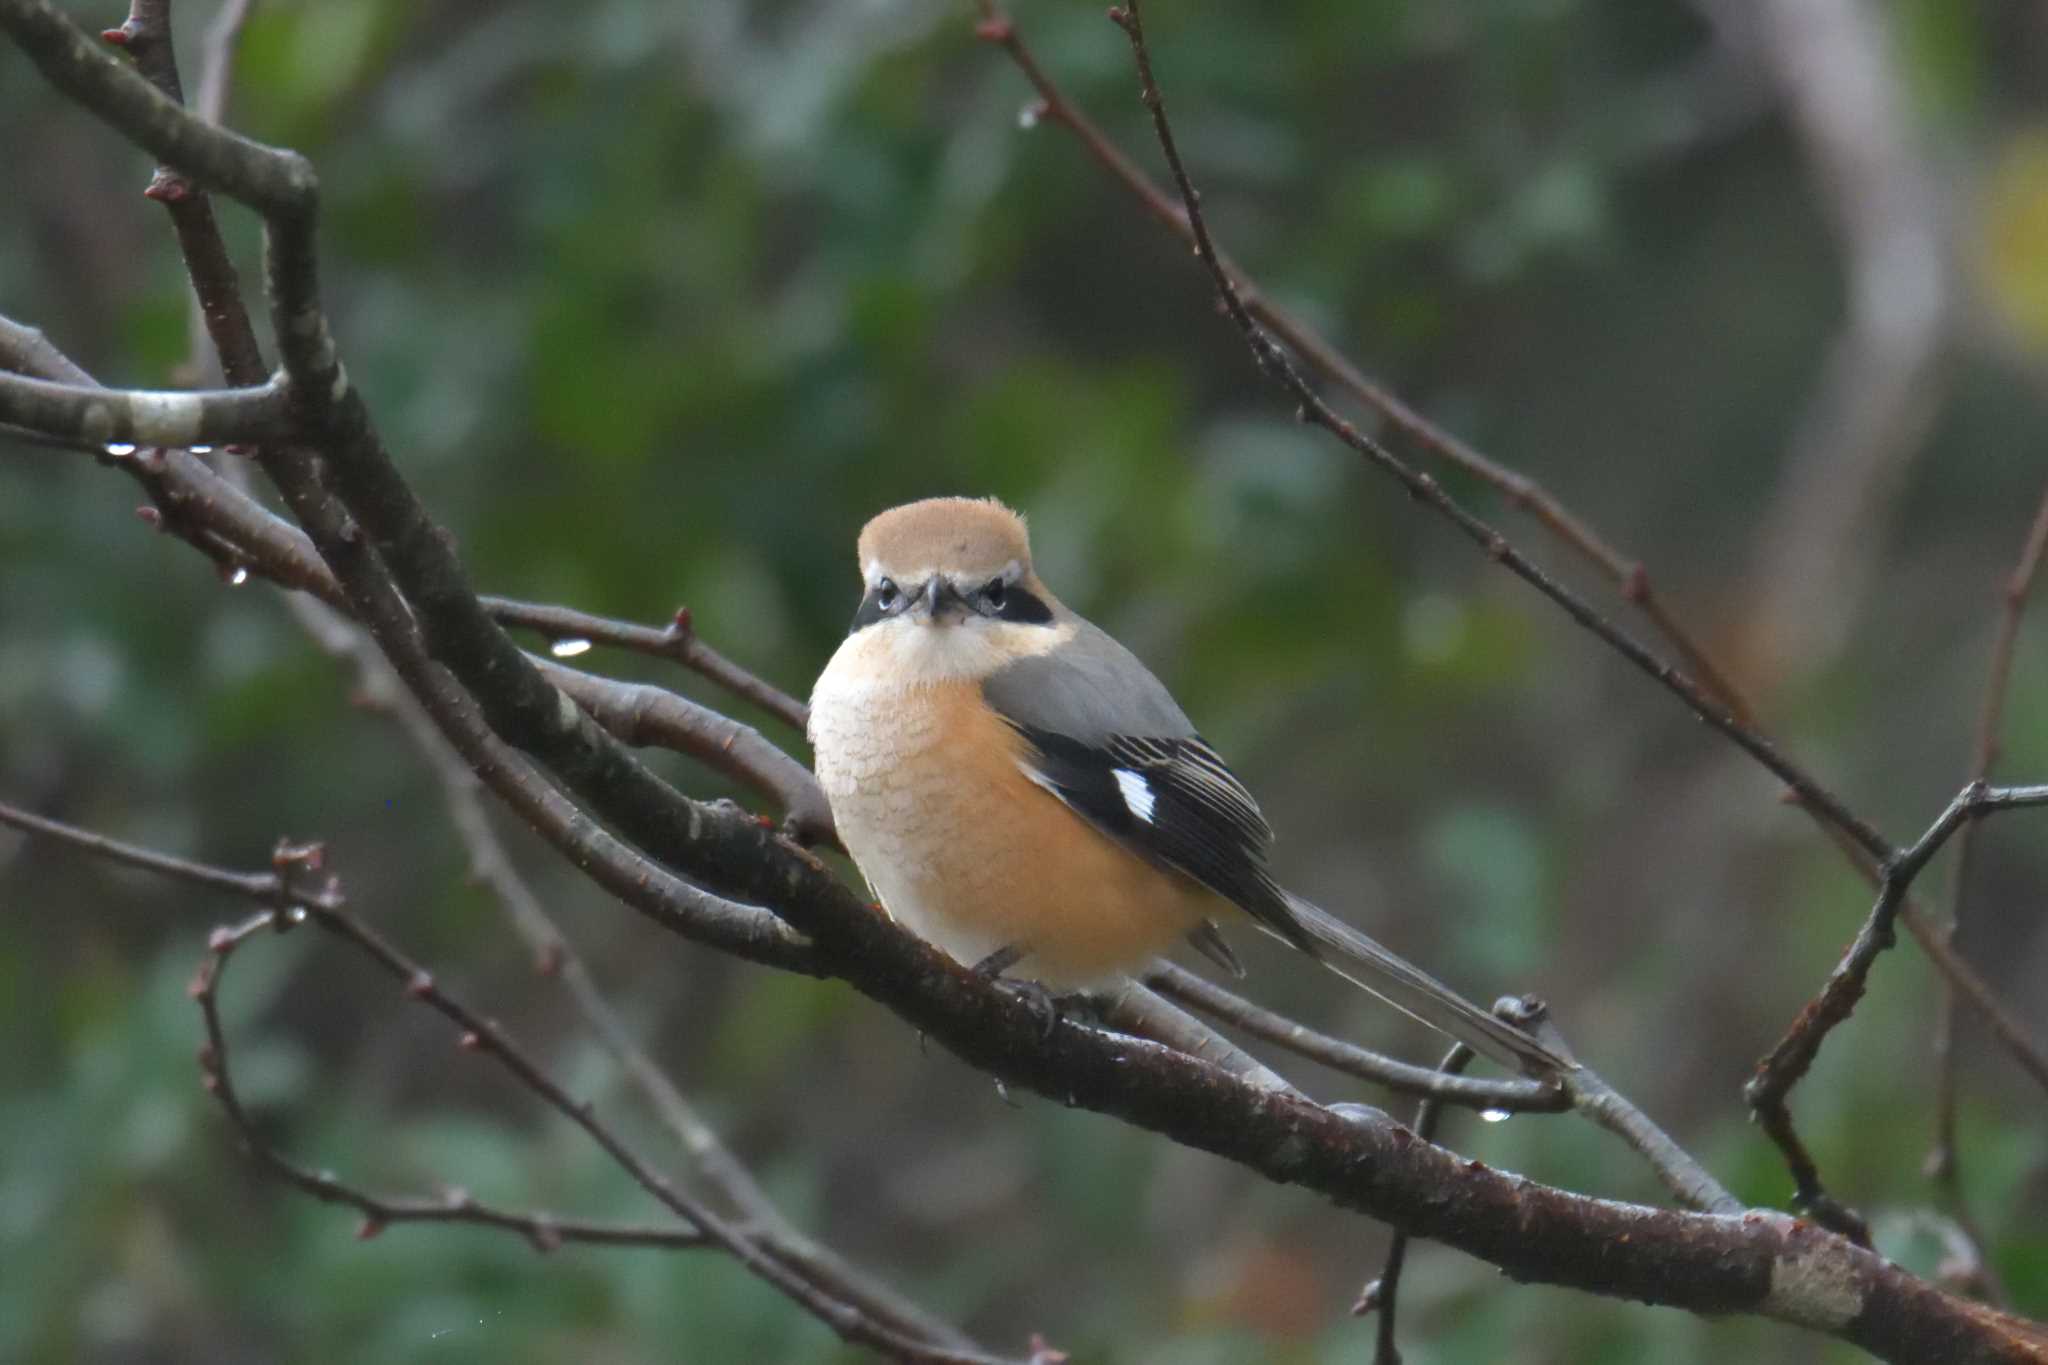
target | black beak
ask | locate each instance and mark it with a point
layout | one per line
(938, 595)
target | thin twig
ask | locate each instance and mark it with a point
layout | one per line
(1137, 1009)
(1784, 1066)
(484, 1036)
(2005, 1024)
(642, 714)
(25, 350)
(1789, 1061)
(554, 957)
(227, 323)
(286, 901)
(1381, 1295)
(1680, 1172)
(1311, 408)
(1941, 1160)
(544, 1231)
(1628, 575)
(272, 888)
(677, 642)
(1943, 1165)
(1184, 987)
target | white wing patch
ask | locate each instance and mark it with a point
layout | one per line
(1137, 793)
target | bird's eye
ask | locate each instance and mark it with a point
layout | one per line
(886, 594)
(994, 593)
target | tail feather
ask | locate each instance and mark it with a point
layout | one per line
(1418, 994)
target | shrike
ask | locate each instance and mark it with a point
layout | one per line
(1019, 790)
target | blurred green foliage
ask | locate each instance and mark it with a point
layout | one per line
(657, 302)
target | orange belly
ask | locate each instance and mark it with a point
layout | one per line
(967, 852)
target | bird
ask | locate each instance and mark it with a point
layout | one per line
(1021, 792)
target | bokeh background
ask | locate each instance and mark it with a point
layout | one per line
(658, 302)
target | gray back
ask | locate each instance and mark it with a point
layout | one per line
(1091, 689)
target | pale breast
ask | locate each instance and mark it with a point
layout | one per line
(966, 852)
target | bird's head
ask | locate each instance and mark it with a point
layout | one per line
(949, 590)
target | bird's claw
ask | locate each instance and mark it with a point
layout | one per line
(1042, 1003)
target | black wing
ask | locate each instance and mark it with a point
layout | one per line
(1172, 802)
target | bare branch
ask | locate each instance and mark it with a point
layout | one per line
(1628, 575)
(1311, 408)
(273, 888)
(1382, 1295)
(482, 1035)
(1138, 1010)
(1516, 1096)
(677, 642)
(1566, 526)
(1687, 1180)
(25, 350)
(554, 957)
(452, 657)
(276, 890)
(97, 416)
(1941, 1159)
(640, 714)
(1784, 1066)
(544, 1231)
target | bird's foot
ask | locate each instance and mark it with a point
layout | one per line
(1042, 1002)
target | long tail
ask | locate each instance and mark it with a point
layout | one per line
(1418, 994)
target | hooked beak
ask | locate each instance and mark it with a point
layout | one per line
(938, 601)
